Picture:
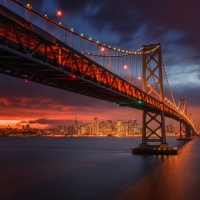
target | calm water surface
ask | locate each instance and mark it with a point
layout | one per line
(95, 168)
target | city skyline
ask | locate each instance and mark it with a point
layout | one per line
(95, 127)
(42, 105)
(73, 121)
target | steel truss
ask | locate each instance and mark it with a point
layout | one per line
(147, 131)
(183, 129)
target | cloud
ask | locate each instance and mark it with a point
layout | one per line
(128, 16)
(190, 93)
(53, 122)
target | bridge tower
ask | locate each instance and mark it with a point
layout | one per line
(182, 106)
(152, 83)
(185, 130)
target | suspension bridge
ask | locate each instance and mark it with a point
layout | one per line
(74, 62)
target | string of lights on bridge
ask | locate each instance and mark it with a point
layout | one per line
(172, 96)
(104, 47)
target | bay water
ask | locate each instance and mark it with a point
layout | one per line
(84, 168)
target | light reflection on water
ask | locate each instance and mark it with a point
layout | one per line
(91, 168)
(176, 178)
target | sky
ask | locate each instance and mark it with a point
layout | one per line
(127, 24)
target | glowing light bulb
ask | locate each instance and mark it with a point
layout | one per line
(102, 49)
(59, 13)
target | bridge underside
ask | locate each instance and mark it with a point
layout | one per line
(30, 69)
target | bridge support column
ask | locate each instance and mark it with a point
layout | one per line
(158, 134)
(188, 132)
(158, 131)
(185, 128)
(182, 130)
(185, 132)
(163, 135)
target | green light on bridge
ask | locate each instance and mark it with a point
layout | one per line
(139, 102)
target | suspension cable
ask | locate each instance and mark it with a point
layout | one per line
(172, 96)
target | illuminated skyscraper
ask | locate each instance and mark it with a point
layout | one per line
(76, 126)
(96, 126)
